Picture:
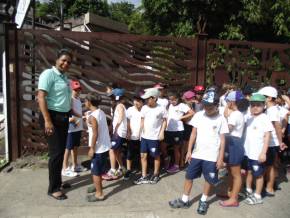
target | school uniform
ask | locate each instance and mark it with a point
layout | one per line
(103, 143)
(134, 115)
(75, 129)
(234, 148)
(207, 145)
(175, 128)
(256, 127)
(120, 137)
(153, 119)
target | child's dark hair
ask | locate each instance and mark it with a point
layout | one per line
(174, 94)
(94, 99)
(64, 51)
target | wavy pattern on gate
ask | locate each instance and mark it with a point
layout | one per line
(99, 58)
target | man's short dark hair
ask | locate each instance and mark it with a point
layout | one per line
(64, 51)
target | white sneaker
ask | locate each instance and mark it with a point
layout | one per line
(68, 173)
(79, 168)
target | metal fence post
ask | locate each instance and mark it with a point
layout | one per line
(12, 84)
(201, 52)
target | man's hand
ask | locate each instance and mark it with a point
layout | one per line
(48, 128)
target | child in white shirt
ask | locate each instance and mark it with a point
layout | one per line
(276, 142)
(207, 156)
(177, 111)
(153, 124)
(99, 143)
(258, 133)
(133, 132)
(234, 149)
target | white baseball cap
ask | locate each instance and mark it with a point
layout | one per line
(151, 92)
(269, 91)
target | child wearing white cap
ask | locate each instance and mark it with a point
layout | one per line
(273, 114)
(153, 124)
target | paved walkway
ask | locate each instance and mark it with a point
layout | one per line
(23, 194)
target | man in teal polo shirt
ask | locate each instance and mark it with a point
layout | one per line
(54, 99)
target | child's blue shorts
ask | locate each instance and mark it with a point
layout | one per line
(234, 151)
(256, 167)
(73, 140)
(98, 163)
(174, 137)
(150, 146)
(207, 168)
(271, 155)
(117, 142)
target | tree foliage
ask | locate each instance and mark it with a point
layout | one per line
(260, 20)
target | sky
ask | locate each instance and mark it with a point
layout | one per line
(135, 2)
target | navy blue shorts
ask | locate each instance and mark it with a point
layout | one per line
(187, 132)
(234, 151)
(174, 138)
(73, 140)
(207, 168)
(133, 149)
(244, 164)
(117, 142)
(256, 167)
(98, 164)
(271, 155)
(151, 146)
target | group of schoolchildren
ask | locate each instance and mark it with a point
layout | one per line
(241, 131)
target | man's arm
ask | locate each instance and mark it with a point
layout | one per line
(44, 110)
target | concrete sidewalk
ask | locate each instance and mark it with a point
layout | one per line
(23, 194)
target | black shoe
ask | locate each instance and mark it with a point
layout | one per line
(154, 179)
(142, 180)
(202, 207)
(127, 175)
(178, 203)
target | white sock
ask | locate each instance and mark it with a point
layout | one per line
(113, 170)
(203, 198)
(185, 198)
(257, 196)
(249, 190)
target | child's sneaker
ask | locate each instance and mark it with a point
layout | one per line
(68, 173)
(202, 207)
(252, 200)
(110, 175)
(79, 168)
(178, 203)
(120, 172)
(173, 169)
(127, 175)
(142, 180)
(154, 179)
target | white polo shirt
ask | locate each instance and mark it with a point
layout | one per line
(174, 114)
(209, 129)
(134, 115)
(153, 119)
(256, 127)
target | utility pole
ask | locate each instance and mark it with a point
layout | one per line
(61, 15)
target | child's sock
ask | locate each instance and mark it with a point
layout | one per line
(249, 190)
(113, 170)
(258, 196)
(185, 198)
(203, 198)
